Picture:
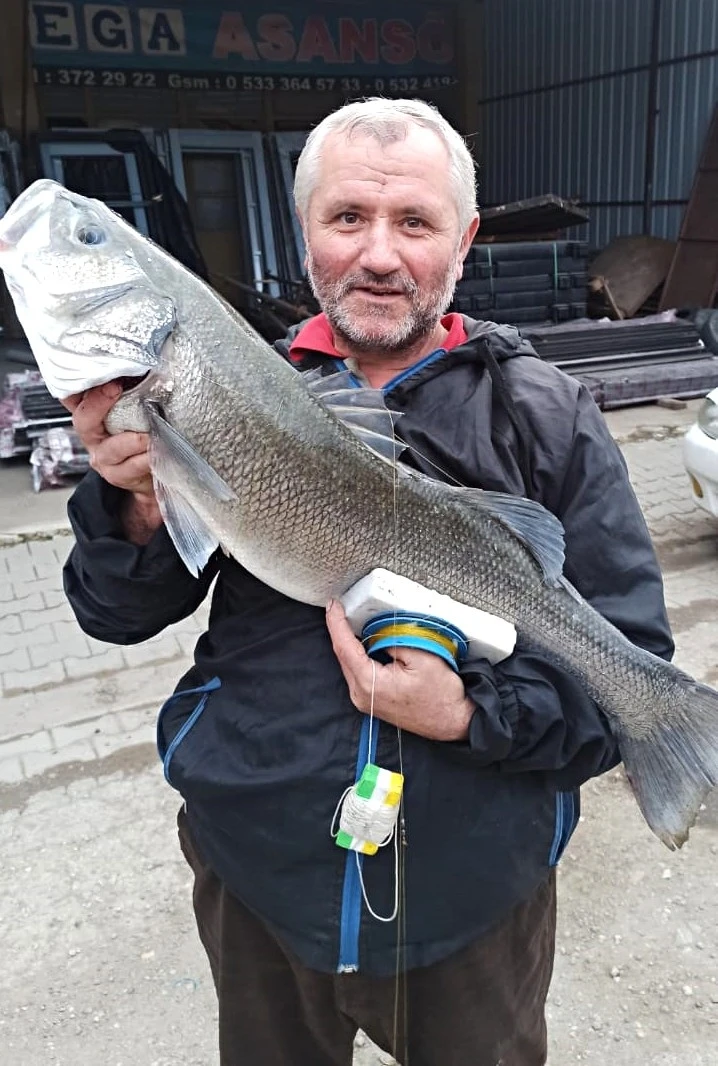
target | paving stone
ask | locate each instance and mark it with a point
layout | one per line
(99, 647)
(93, 665)
(14, 681)
(105, 744)
(17, 659)
(54, 598)
(17, 746)
(158, 649)
(71, 647)
(63, 736)
(32, 619)
(30, 604)
(9, 623)
(48, 571)
(29, 588)
(38, 762)
(26, 638)
(48, 552)
(11, 771)
(143, 721)
(17, 555)
(188, 642)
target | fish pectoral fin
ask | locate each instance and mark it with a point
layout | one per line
(174, 460)
(174, 463)
(539, 530)
(195, 543)
(362, 410)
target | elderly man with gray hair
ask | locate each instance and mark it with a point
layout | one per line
(441, 952)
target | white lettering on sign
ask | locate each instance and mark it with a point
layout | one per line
(162, 31)
(108, 28)
(52, 25)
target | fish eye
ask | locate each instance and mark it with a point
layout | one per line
(91, 235)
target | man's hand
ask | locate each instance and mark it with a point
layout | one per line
(122, 459)
(418, 691)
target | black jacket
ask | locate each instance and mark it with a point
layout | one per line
(262, 760)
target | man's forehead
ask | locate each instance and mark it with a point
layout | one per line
(406, 142)
(361, 162)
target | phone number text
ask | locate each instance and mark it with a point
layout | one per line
(214, 82)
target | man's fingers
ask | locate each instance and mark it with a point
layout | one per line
(347, 648)
(91, 410)
(117, 449)
(128, 474)
(72, 402)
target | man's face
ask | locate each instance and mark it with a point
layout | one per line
(384, 246)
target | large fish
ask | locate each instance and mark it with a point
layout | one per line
(297, 479)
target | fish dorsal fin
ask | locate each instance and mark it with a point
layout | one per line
(539, 530)
(362, 410)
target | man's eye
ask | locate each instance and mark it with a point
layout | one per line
(349, 217)
(414, 223)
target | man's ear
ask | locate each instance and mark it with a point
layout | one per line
(466, 242)
(304, 233)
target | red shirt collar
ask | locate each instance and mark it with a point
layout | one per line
(316, 336)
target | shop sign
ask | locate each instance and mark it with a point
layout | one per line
(353, 46)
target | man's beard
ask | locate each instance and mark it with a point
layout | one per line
(386, 337)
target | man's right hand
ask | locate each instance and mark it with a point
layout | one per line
(121, 459)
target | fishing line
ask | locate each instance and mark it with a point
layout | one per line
(440, 470)
(400, 975)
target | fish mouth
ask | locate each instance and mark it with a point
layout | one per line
(129, 383)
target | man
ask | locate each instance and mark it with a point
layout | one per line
(493, 758)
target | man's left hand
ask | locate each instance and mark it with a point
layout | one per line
(418, 691)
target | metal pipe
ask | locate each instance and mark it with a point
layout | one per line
(651, 118)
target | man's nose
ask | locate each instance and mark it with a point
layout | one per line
(380, 250)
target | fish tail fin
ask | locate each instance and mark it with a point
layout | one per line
(672, 768)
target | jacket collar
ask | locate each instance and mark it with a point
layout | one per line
(504, 342)
(314, 337)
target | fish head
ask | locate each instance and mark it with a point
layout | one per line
(75, 271)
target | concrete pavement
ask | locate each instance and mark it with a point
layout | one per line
(65, 696)
(100, 959)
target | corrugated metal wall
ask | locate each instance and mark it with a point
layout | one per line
(565, 105)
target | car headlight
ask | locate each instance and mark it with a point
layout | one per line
(708, 418)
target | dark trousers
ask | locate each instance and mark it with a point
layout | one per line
(482, 1006)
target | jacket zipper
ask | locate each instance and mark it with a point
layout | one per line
(351, 893)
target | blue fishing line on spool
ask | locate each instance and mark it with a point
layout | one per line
(407, 629)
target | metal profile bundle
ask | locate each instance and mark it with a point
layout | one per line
(629, 362)
(648, 383)
(28, 410)
(615, 339)
(524, 282)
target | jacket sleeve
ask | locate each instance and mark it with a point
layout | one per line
(121, 592)
(531, 715)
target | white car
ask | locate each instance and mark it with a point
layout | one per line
(700, 455)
